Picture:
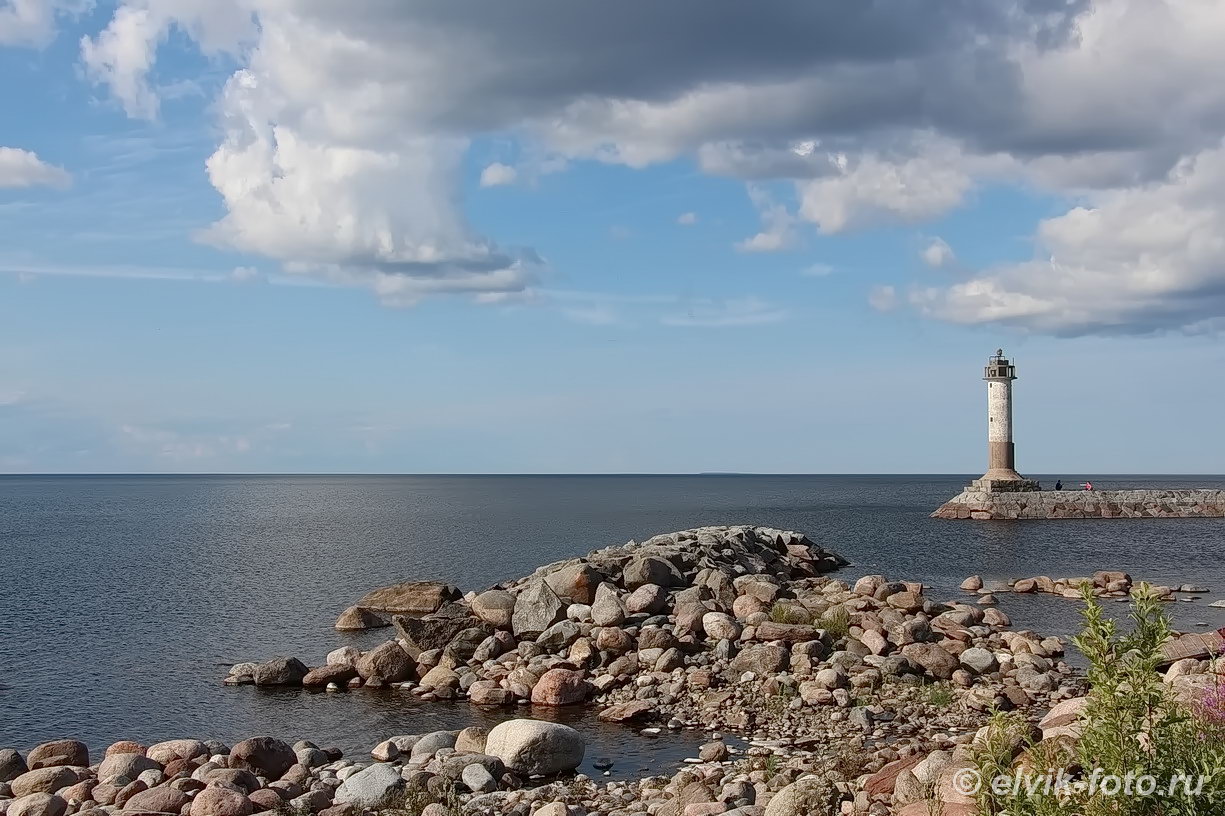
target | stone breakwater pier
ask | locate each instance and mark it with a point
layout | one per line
(985, 504)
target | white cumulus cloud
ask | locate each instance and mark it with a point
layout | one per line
(938, 254)
(22, 168)
(32, 22)
(498, 174)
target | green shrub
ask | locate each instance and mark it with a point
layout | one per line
(790, 612)
(836, 621)
(939, 695)
(1133, 727)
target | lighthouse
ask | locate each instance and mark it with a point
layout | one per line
(1001, 475)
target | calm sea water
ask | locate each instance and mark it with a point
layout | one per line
(124, 599)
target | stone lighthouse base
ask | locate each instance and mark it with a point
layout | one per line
(988, 484)
(986, 505)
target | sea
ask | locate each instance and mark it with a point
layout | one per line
(124, 599)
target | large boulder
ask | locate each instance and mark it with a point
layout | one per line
(806, 797)
(649, 598)
(576, 583)
(489, 693)
(370, 787)
(651, 570)
(560, 687)
(534, 747)
(388, 662)
(432, 632)
(537, 607)
(410, 598)
(43, 780)
(329, 674)
(162, 799)
(263, 756)
(11, 765)
(720, 626)
(221, 800)
(37, 804)
(358, 618)
(496, 607)
(58, 752)
(937, 662)
(608, 609)
(166, 752)
(130, 765)
(763, 660)
(979, 660)
(280, 671)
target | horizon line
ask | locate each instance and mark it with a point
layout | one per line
(705, 473)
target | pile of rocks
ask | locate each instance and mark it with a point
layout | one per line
(1104, 583)
(264, 775)
(925, 783)
(571, 630)
(728, 628)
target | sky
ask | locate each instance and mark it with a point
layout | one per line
(580, 237)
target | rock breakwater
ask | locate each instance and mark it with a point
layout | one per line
(982, 505)
(727, 629)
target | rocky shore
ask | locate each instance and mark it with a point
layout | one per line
(854, 698)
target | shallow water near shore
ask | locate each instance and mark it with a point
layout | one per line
(123, 600)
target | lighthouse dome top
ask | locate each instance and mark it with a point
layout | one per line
(999, 368)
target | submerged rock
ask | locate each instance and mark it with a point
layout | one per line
(357, 618)
(410, 598)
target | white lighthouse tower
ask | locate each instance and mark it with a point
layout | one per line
(1001, 475)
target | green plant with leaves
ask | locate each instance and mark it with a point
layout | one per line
(1132, 728)
(790, 612)
(938, 695)
(836, 621)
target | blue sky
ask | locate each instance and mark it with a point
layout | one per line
(236, 239)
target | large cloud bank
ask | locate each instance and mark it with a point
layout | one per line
(345, 125)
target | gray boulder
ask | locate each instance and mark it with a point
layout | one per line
(935, 661)
(370, 787)
(434, 631)
(979, 661)
(11, 765)
(263, 756)
(43, 780)
(651, 570)
(37, 804)
(607, 610)
(496, 607)
(431, 744)
(127, 765)
(478, 779)
(537, 608)
(534, 747)
(387, 661)
(806, 797)
(280, 671)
